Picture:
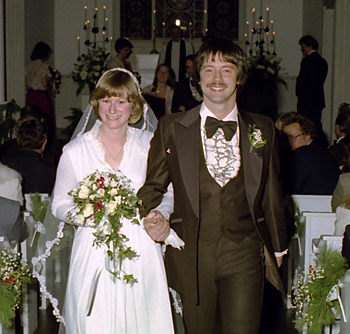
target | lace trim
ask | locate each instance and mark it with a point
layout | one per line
(177, 301)
(37, 266)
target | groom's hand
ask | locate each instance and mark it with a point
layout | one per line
(156, 226)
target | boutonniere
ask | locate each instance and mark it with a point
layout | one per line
(255, 137)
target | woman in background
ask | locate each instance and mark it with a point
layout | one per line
(37, 80)
(159, 95)
(123, 47)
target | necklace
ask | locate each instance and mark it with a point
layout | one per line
(115, 159)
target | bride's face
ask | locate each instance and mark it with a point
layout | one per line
(114, 111)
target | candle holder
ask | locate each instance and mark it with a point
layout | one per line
(260, 34)
(154, 50)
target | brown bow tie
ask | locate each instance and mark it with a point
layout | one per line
(212, 124)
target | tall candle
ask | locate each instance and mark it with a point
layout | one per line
(154, 19)
(78, 46)
(104, 14)
(205, 21)
(253, 16)
(274, 42)
(88, 30)
(267, 15)
(103, 40)
(110, 42)
(96, 12)
(247, 29)
(271, 26)
(107, 27)
(163, 31)
(190, 32)
(85, 15)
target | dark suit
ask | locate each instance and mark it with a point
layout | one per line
(37, 174)
(314, 171)
(183, 96)
(337, 151)
(309, 86)
(12, 224)
(174, 157)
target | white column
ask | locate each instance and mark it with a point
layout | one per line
(2, 54)
(15, 47)
(341, 70)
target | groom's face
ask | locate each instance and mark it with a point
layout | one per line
(218, 80)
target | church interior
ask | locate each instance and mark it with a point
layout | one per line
(72, 28)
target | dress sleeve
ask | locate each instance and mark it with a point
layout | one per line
(66, 180)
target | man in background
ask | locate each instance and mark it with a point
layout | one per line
(37, 174)
(309, 86)
(175, 51)
(186, 95)
(313, 170)
(341, 129)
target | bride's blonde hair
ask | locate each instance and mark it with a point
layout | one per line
(118, 84)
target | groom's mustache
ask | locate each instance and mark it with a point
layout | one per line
(216, 84)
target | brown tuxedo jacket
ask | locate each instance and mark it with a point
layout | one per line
(174, 157)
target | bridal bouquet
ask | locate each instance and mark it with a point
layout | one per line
(89, 68)
(12, 274)
(101, 200)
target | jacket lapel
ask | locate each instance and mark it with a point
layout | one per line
(187, 141)
(252, 160)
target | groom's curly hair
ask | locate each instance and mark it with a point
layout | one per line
(118, 84)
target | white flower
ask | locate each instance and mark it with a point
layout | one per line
(100, 192)
(118, 200)
(83, 74)
(89, 210)
(84, 192)
(79, 219)
(111, 206)
(270, 70)
(92, 196)
(113, 191)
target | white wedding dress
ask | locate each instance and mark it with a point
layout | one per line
(96, 302)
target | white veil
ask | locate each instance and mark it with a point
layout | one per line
(51, 264)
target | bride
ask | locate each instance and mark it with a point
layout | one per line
(96, 302)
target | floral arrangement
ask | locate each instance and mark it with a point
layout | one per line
(89, 68)
(56, 80)
(313, 309)
(101, 200)
(12, 274)
(265, 65)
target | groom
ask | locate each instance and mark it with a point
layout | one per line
(228, 207)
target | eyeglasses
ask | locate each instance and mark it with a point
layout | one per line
(292, 138)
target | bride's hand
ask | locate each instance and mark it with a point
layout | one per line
(156, 226)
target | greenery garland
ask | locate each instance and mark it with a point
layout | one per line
(12, 274)
(311, 291)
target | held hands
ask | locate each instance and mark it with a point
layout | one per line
(156, 226)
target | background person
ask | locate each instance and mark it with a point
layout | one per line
(186, 94)
(174, 53)
(313, 170)
(37, 80)
(159, 95)
(309, 87)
